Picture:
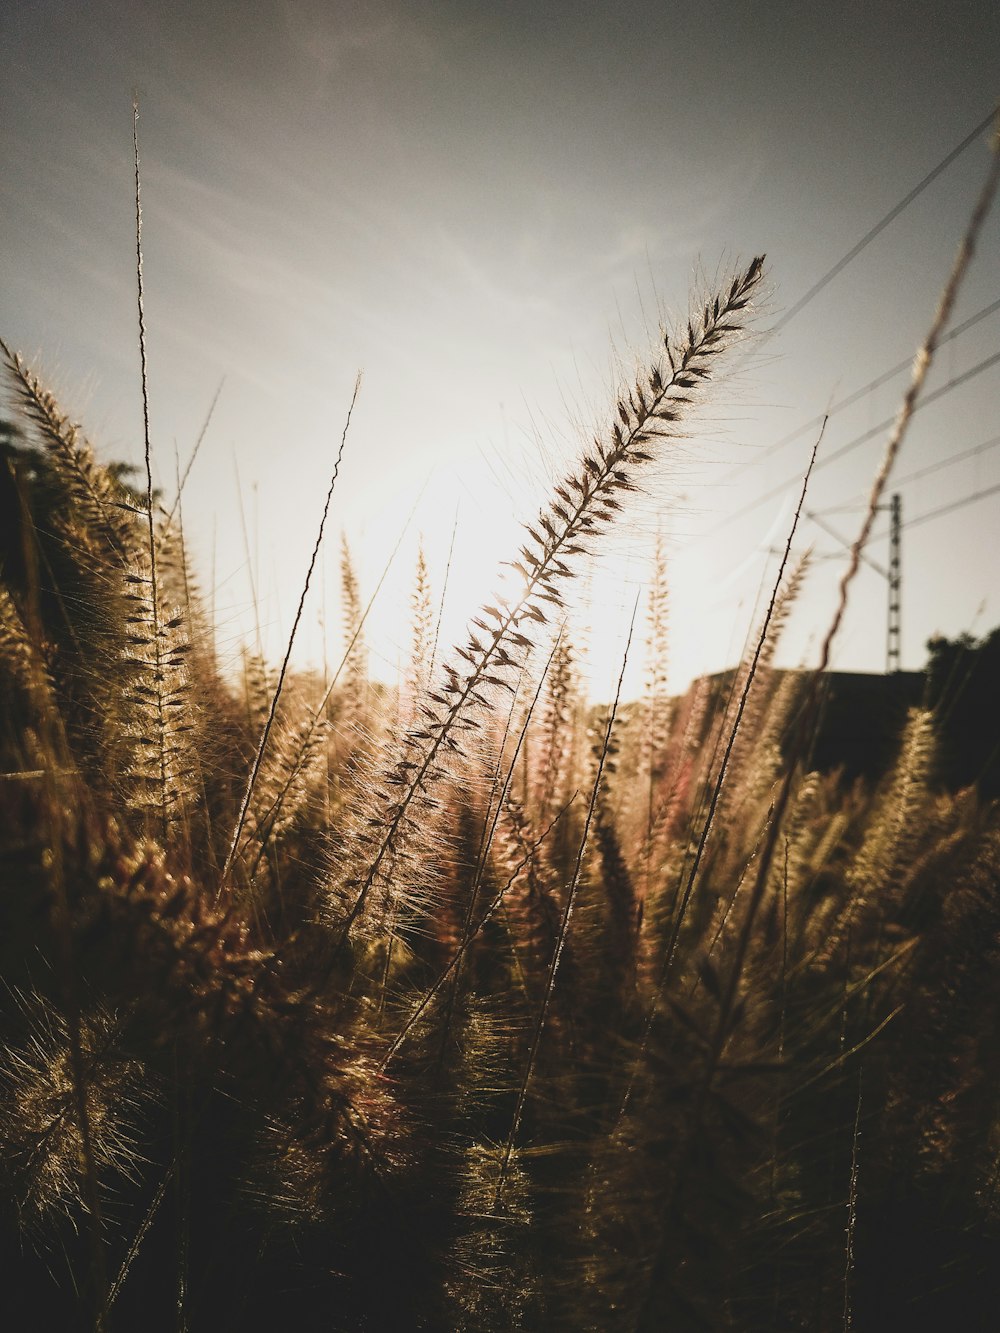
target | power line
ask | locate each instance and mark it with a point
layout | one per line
(915, 476)
(858, 394)
(947, 462)
(954, 383)
(910, 522)
(955, 504)
(879, 227)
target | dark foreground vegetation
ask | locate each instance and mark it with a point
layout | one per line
(467, 1007)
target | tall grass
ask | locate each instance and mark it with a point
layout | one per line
(475, 1007)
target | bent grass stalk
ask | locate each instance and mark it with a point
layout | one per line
(807, 717)
(584, 505)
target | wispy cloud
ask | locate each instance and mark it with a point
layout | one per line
(332, 39)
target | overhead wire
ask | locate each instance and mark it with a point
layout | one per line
(915, 522)
(951, 506)
(947, 462)
(921, 472)
(858, 394)
(824, 281)
(884, 222)
(954, 383)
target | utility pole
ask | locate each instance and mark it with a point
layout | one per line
(893, 575)
(892, 644)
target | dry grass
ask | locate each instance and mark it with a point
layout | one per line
(471, 1008)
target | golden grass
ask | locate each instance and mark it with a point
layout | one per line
(470, 1006)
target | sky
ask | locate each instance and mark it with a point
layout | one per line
(486, 209)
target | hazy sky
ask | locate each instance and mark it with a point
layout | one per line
(474, 204)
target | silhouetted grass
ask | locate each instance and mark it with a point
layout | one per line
(470, 1006)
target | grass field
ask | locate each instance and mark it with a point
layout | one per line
(468, 1004)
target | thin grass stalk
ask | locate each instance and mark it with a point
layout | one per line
(251, 576)
(696, 820)
(847, 1053)
(182, 1146)
(741, 707)
(143, 1230)
(441, 600)
(678, 914)
(275, 809)
(550, 980)
(852, 1211)
(730, 906)
(262, 746)
(182, 480)
(161, 727)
